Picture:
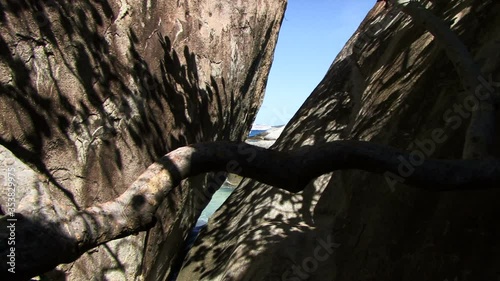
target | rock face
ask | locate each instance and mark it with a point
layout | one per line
(93, 91)
(391, 84)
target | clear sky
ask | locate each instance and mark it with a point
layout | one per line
(312, 34)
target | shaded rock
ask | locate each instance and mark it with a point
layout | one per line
(391, 84)
(92, 92)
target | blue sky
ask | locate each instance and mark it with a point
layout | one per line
(312, 34)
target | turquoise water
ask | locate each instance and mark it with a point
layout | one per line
(217, 199)
(255, 132)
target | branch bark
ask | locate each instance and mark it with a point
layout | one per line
(40, 246)
(480, 133)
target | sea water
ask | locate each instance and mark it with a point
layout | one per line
(255, 132)
(217, 199)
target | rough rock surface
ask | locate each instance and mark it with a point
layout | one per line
(391, 84)
(91, 92)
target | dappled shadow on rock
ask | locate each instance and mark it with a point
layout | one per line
(50, 240)
(393, 89)
(89, 97)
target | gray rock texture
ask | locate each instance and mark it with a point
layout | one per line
(92, 92)
(391, 84)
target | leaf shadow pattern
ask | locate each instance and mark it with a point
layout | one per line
(383, 234)
(86, 114)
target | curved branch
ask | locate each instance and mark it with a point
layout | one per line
(135, 209)
(480, 133)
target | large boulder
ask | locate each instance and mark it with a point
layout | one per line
(92, 92)
(391, 84)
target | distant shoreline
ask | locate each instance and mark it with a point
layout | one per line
(265, 138)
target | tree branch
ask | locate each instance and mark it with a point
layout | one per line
(480, 133)
(40, 246)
